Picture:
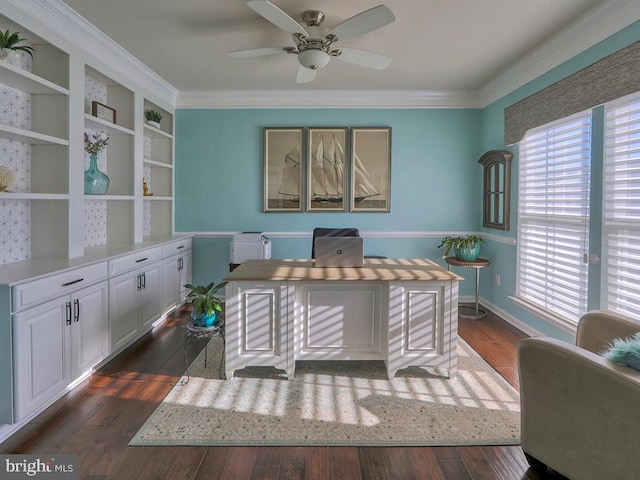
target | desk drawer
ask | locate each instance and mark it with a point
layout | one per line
(175, 248)
(134, 260)
(38, 291)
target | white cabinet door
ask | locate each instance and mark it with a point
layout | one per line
(171, 279)
(185, 274)
(151, 294)
(258, 328)
(89, 332)
(420, 326)
(42, 337)
(124, 310)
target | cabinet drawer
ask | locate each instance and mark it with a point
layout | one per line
(176, 247)
(38, 291)
(134, 260)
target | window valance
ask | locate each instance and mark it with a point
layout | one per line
(612, 77)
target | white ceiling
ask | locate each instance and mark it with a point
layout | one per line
(452, 45)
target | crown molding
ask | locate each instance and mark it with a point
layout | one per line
(81, 35)
(76, 33)
(596, 25)
(327, 99)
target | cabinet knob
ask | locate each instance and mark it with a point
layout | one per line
(76, 310)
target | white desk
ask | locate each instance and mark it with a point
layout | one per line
(402, 311)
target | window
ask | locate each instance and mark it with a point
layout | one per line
(553, 217)
(621, 228)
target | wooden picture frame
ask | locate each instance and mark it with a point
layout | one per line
(103, 112)
(283, 169)
(326, 169)
(370, 169)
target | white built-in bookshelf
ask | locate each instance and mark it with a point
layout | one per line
(45, 213)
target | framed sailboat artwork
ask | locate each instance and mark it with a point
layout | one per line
(326, 170)
(283, 167)
(370, 169)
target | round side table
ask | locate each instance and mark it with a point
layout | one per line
(207, 333)
(477, 312)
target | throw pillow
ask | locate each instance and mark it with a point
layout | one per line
(625, 351)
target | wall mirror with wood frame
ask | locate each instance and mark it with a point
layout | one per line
(496, 189)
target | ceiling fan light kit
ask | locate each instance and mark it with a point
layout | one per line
(314, 45)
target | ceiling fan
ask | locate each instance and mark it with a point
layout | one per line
(314, 44)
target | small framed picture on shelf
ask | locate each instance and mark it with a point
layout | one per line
(102, 111)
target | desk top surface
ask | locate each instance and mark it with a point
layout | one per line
(385, 269)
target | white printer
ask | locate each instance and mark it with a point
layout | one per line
(247, 245)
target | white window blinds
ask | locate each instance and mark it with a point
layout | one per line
(621, 231)
(553, 216)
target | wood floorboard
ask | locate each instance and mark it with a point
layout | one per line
(97, 420)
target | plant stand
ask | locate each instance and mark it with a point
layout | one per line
(478, 312)
(206, 333)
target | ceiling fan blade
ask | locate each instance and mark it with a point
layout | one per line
(305, 75)
(276, 16)
(257, 52)
(363, 22)
(364, 58)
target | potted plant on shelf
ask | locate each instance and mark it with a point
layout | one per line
(465, 247)
(152, 117)
(9, 48)
(206, 304)
(95, 181)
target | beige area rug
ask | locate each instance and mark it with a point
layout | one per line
(337, 403)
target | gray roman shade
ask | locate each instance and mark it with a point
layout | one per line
(612, 77)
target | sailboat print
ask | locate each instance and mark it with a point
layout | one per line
(327, 174)
(362, 186)
(290, 176)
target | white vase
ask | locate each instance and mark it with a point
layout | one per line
(153, 124)
(11, 56)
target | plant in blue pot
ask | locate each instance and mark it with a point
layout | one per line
(206, 305)
(465, 248)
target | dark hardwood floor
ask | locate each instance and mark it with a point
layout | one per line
(98, 418)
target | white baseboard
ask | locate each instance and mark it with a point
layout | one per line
(507, 317)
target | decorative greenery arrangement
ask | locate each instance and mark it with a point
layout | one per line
(465, 241)
(95, 143)
(152, 115)
(10, 41)
(203, 298)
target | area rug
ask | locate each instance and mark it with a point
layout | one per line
(337, 403)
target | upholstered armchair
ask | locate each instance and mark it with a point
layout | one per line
(580, 411)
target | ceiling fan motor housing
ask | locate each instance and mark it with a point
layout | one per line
(313, 58)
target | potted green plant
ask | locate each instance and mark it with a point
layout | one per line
(152, 117)
(9, 47)
(465, 247)
(206, 304)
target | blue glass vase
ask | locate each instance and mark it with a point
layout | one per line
(95, 181)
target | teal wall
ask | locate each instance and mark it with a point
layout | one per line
(503, 255)
(436, 182)
(218, 176)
